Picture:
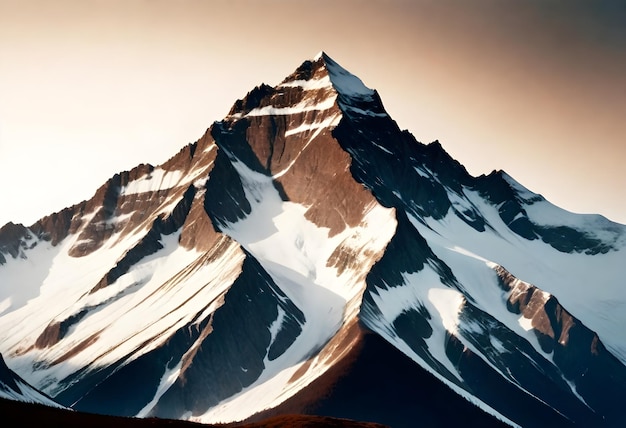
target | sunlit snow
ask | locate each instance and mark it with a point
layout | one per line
(309, 85)
(328, 122)
(158, 179)
(304, 106)
(567, 276)
(295, 252)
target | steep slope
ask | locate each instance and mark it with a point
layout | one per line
(13, 387)
(376, 382)
(237, 277)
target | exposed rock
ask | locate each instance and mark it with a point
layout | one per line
(577, 351)
(12, 240)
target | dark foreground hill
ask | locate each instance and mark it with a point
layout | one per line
(17, 413)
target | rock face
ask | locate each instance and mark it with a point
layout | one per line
(307, 255)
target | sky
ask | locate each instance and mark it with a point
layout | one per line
(89, 88)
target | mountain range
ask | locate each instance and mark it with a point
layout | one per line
(306, 255)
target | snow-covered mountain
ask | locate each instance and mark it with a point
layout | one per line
(306, 254)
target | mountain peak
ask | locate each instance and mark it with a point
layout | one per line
(344, 82)
(325, 70)
(317, 84)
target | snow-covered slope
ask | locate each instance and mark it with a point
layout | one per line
(243, 276)
(13, 387)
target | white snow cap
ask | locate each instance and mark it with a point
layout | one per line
(343, 81)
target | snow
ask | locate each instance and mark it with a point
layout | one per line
(167, 380)
(424, 289)
(498, 345)
(473, 257)
(26, 393)
(29, 271)
(295, 252)
(469, 254)
(308, 85)
(363, 112)
(422, 172)
(130, 317)
(175, 286)
(304, 106)
(149, 308)
(448, 303)
(328, 122)
(521, 191)
(461, 205)
(594, 226)
(563, 275)
(476, 275)
(542, 212)
(378, 146)
(345, 82)
(480, 282)
(526, 323)
(339, 79)
(158, 179)
(276, 325)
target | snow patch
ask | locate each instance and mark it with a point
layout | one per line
(329, 122)
(362, 112)
(158, 179)
(308, 85)
(304, 106)
(448, 303)
(167, 380)
(277, 325)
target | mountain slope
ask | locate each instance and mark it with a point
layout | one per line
(237, 277)
(13, 387)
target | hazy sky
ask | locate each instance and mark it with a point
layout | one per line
(535, 87)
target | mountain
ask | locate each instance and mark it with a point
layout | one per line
(306, 255)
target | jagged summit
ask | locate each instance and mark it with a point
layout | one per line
(315, 85)
(319, 55)
(303, 238)
(324, 71)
